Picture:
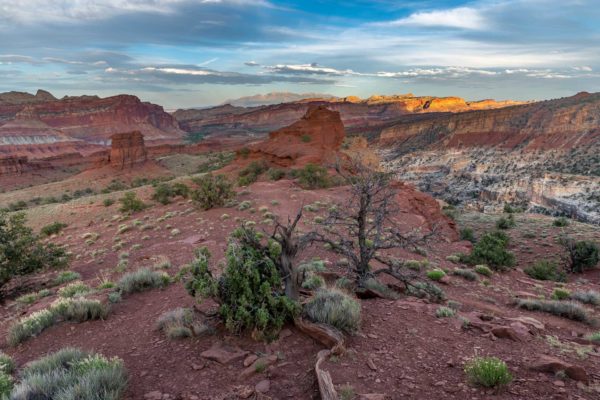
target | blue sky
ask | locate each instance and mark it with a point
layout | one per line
(186, 53)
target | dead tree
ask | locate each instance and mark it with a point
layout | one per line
(363, 229)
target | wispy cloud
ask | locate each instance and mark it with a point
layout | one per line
(461, 17)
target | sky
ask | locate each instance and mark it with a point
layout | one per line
(193, 53)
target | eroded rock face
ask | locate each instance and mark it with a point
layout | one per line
(13, 165)
(127, 150)
(315, 138)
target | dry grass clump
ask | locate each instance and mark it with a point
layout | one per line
(336, 308)
(141, 280)
(565, 309)
(181, 323)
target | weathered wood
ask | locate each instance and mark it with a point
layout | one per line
(327, 335)
(326, 387)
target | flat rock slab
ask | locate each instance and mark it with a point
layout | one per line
(224, 354)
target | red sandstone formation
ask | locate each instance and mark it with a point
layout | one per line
(554, 124)
(363, 116)
(315, 138)
(13, 165)
(127, 150)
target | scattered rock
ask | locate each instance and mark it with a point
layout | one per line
(374, 396)
(504, 332)
(371, 364)
(154, 395)
(553, 365)
(250, 360)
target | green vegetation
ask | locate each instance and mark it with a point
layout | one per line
(180, 323)
(587, 297)
(336, 308)
(583, 255)
(594, 337)
(66, 276)
(22, 252)
(426, 290)
(465, 273)
(76, 310)
(467, 234)
(7, 365)
(444, 312)
(141, 280)
(561, 222)
(563, 309)
(53, 229)
(72, 374)
(249, 291)
(163, 192)
(491, 250)
(131, 204)
(546, 270)
(483, 270)
(436, 274)
(560, 294)
(506, 223)
(212, 191)
(275, 174)
(216, 162)
(488, 372)
(74, 289)
(251, 173)
(313, 177)
(108, 202)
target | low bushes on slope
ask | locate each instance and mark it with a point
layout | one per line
(72, 374)
(141, 280)
(336, 308)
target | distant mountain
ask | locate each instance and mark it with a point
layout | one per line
(274, 98)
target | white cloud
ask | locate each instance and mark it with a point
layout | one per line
(461, 17)
(308, 69)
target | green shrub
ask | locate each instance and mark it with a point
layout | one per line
(251, 173)
(313, 282)
(22, 252)
(7, 365)
(560, 294)
(483, 270)
(131, 204)
(465, 273)
(427, 290)
(546, 270)
(488, 372)
(28, 298)
(79, 309)
(509, 209)
(72, 374)
(587, 297)
(141, 280)
(66, 276)
(561, 222)
(563, 309)
(180, 323)
(436, 274)
(467, 234)
(506, 223)
(336, 308)
(6, 385)
(594, 337)
(444, 312)
(114, 297)
(491, 250)
(379, 287)
(108, 202)
(162, 194)
(31, 325)
(74, 289)
(276, 174)
(53, 229)
(212, 191)
(249, 291)
(305, 138)
(583, 254)
(314, 177)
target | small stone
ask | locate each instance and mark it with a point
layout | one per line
(371, 364)
(263, 386)
(250, 359)
(558, 383)
(154, 395)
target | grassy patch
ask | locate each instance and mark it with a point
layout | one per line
(72, 374)
(545, 270)
(444, 312)
(66, 276)
(563, 309)
(141, 280)
(488, 372)
(587, 297)
(465, 273)
(336, 308)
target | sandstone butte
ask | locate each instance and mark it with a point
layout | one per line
(127, 150)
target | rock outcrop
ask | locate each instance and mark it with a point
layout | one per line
(127, 150)
(315, 138)
(12, 165)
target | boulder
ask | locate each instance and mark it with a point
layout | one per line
(551, 364)
(224, 354)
